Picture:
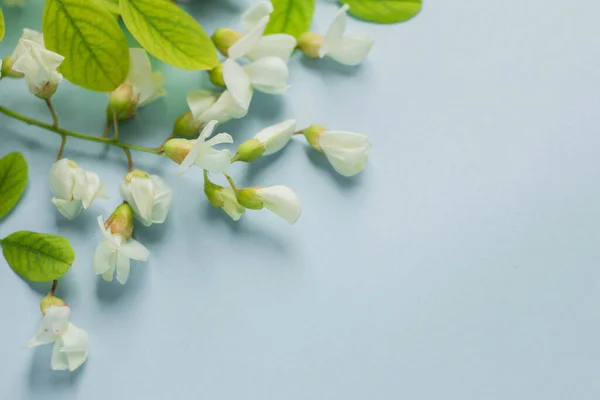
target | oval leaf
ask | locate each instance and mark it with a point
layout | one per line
(13, 179)
(2, 29)
(293, 17)
(384, 11)
(169, 34)
(90, 39)
(37, 256)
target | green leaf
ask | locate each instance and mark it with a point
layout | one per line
(384, 11)
(2, 29)
(293, 17)
(111, 5)
(38, 257)
(90, 39)
(13, 179)
(169, 34)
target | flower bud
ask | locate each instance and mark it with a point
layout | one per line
(310, 44)
(224, 198)
(7, 68)
(178, 149)
(312, 134)
(50, 301)
(136, 173)
(120, 221)
(224, 38)
(249, 198)
(122, 102)
(186, 125)
(249, 151)
(216, 76)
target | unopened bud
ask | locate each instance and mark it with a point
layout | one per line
(47, 90)
(310, 44)
(51, 301)
(178, 149)
(186, 125)
(7, 68)
(249, 198)
(136, 173)
(249, 151)
(120, 221)
(216, 76)
(312, 134)
(122, 103)
(224, 38)
(225, 198)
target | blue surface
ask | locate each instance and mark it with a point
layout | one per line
(463, 263)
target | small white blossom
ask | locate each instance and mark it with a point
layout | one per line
(346, 151)
(147, 85)
(204, 155)
(70, 342)
(207, 106)
(115, 252)
(74, 189)
(346, 49)
(275, 137)
(148, 195)
(282, 201)
(39, 66)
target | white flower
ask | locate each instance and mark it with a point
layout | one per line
(74, 189)
(346, 151)
(267, 74)
(282, 201)
(39, 66)
(148, 195)
(278, 45)
(28, 34)
(207, 106)
(147, 85)
(116, 252)
(275, 137)
(230, 203)
(70, 342)
(204, 155)
(349, 49)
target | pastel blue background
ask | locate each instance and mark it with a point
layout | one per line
(462, 264)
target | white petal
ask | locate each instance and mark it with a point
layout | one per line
(28, 34)
(352, 50)
(275, 137)
(71, 350)
(346, 151)
(224, 109)
(62, 179)
(104, 258)
(219, 138)
(212, 160)
(333, 37)
(135, 250)
(142, 191)
(237, 82)
(344, 139)
(188, 161)
(140, 74)
(278, 45)
(70, 209)
(87, 187)
(107, 236)
(231, 205)
(282, 201)
(125, 192)
(269, 75)
(252, 16)
(108, 275)
(163, 196)
(249, 41)
(207, 131)
(199, 101)
(157, 83)
(123, 268)
(53, 325)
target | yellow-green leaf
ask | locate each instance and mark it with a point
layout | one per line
(111, 5)
(169, 34)
(384, 11)
(293, 17)
(2, 29)
(13, 179)
(38, 257)
(89, 37)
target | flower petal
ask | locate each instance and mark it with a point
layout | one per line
(333, 37)
(269, 75)
(212, 160)
(104, 258)
(224, 109)
(207, 131)
(123, 268)
(70, 209)
(252, 16)
(108, 275)
(142, 191)
(275, 137)
(134, 250)
(62, 179)
(231, 205)
(282, 201)
(157, 83)
(237, 82)
(249, 41)
(53, 325)
(140, 74)
(278, 45)
(346, 151)
(87, 187)
(163, 196)
(219, 138)
(352, 50)
(71, 350)
(199, 101)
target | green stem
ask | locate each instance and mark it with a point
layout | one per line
(231, 182)
(76, 135)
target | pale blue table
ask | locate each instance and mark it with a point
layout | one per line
(463, 264)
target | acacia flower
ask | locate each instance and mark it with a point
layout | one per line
(148, 195)
(70, 342)
(346, 151)
(345, 49)
(141, 87)
(280, 200)
(39, 67)
(7, 65)
(223, 197)
(118, 248)
(74, 189)
(206, 106)
(201, 152)
(268, 141)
